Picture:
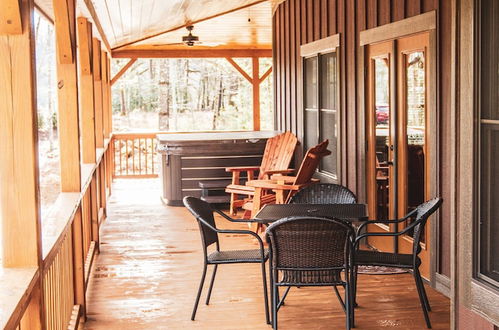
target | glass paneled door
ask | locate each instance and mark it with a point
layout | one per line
(397, 112)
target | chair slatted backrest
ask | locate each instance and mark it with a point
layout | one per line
(278, 153)
(311, 162)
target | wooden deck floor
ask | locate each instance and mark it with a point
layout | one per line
(147, 274)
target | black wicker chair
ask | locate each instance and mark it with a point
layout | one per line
(310, 251)
(324, 193)
(203, 213)
(410, 261)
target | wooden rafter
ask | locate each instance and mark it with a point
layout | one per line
(10, 17)
(184, 25)
(123, 70)
(190, 53)
(97, 23)
(241, 70)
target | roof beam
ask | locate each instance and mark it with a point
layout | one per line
(123, 70)
(190, 53)
(184, 25)
(95, 18)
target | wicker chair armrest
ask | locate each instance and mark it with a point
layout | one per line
(243, 232)
(368, 222)
(402, 232)
(234, 220)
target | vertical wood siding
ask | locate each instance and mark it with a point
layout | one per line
(297, 22)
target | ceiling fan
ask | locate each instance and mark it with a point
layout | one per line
(191, 40)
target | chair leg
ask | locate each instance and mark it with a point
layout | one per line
(265, 294)
(420, 289)
(348, 308)
(427, 302)
(199, 293)
(274, 306)
(211, 284)
(354, 286)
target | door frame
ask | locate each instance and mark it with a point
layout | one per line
(426, 22)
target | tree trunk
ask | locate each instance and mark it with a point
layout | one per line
(123, 102)
(164, 104)
(216, 113)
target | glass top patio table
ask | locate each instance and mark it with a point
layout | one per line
(349, 212)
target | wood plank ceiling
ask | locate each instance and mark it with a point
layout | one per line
(160, 24)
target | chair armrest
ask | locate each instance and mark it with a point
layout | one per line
(368, 222)
(241, 168)
(234, 220)
(270, 184)
(243, 232)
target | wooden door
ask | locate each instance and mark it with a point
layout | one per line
(397, 160)
(413, 136)
(381, 119)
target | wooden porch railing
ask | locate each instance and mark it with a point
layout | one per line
(135, 155)
(70, 242)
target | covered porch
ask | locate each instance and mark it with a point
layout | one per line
(404, 90)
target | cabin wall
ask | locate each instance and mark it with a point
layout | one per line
(297, 22)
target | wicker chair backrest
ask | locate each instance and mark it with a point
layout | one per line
(423, 212)
(324, 193)
(203, 213)
(309, 243)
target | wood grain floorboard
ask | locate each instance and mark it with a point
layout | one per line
(148, 270)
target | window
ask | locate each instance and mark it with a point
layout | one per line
(488, 166)
(321, 110)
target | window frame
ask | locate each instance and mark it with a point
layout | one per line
(317, 49)
(481, 123)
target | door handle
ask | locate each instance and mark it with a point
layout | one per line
(390, 163)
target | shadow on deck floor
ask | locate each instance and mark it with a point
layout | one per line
(147, 274)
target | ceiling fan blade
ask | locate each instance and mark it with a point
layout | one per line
(169, 44)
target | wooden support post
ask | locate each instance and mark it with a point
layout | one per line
(69, 137)
(86, 90)
(123, 70)
(19, 205)
(256, 94)
(10, 17)
(99, 132)
(105, 95)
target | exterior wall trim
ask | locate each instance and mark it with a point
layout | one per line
(325, 45)
(405, 27)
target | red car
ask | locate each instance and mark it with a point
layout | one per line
(382, 114)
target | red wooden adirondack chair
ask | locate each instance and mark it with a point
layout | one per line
(276, 158)
(286, 186)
